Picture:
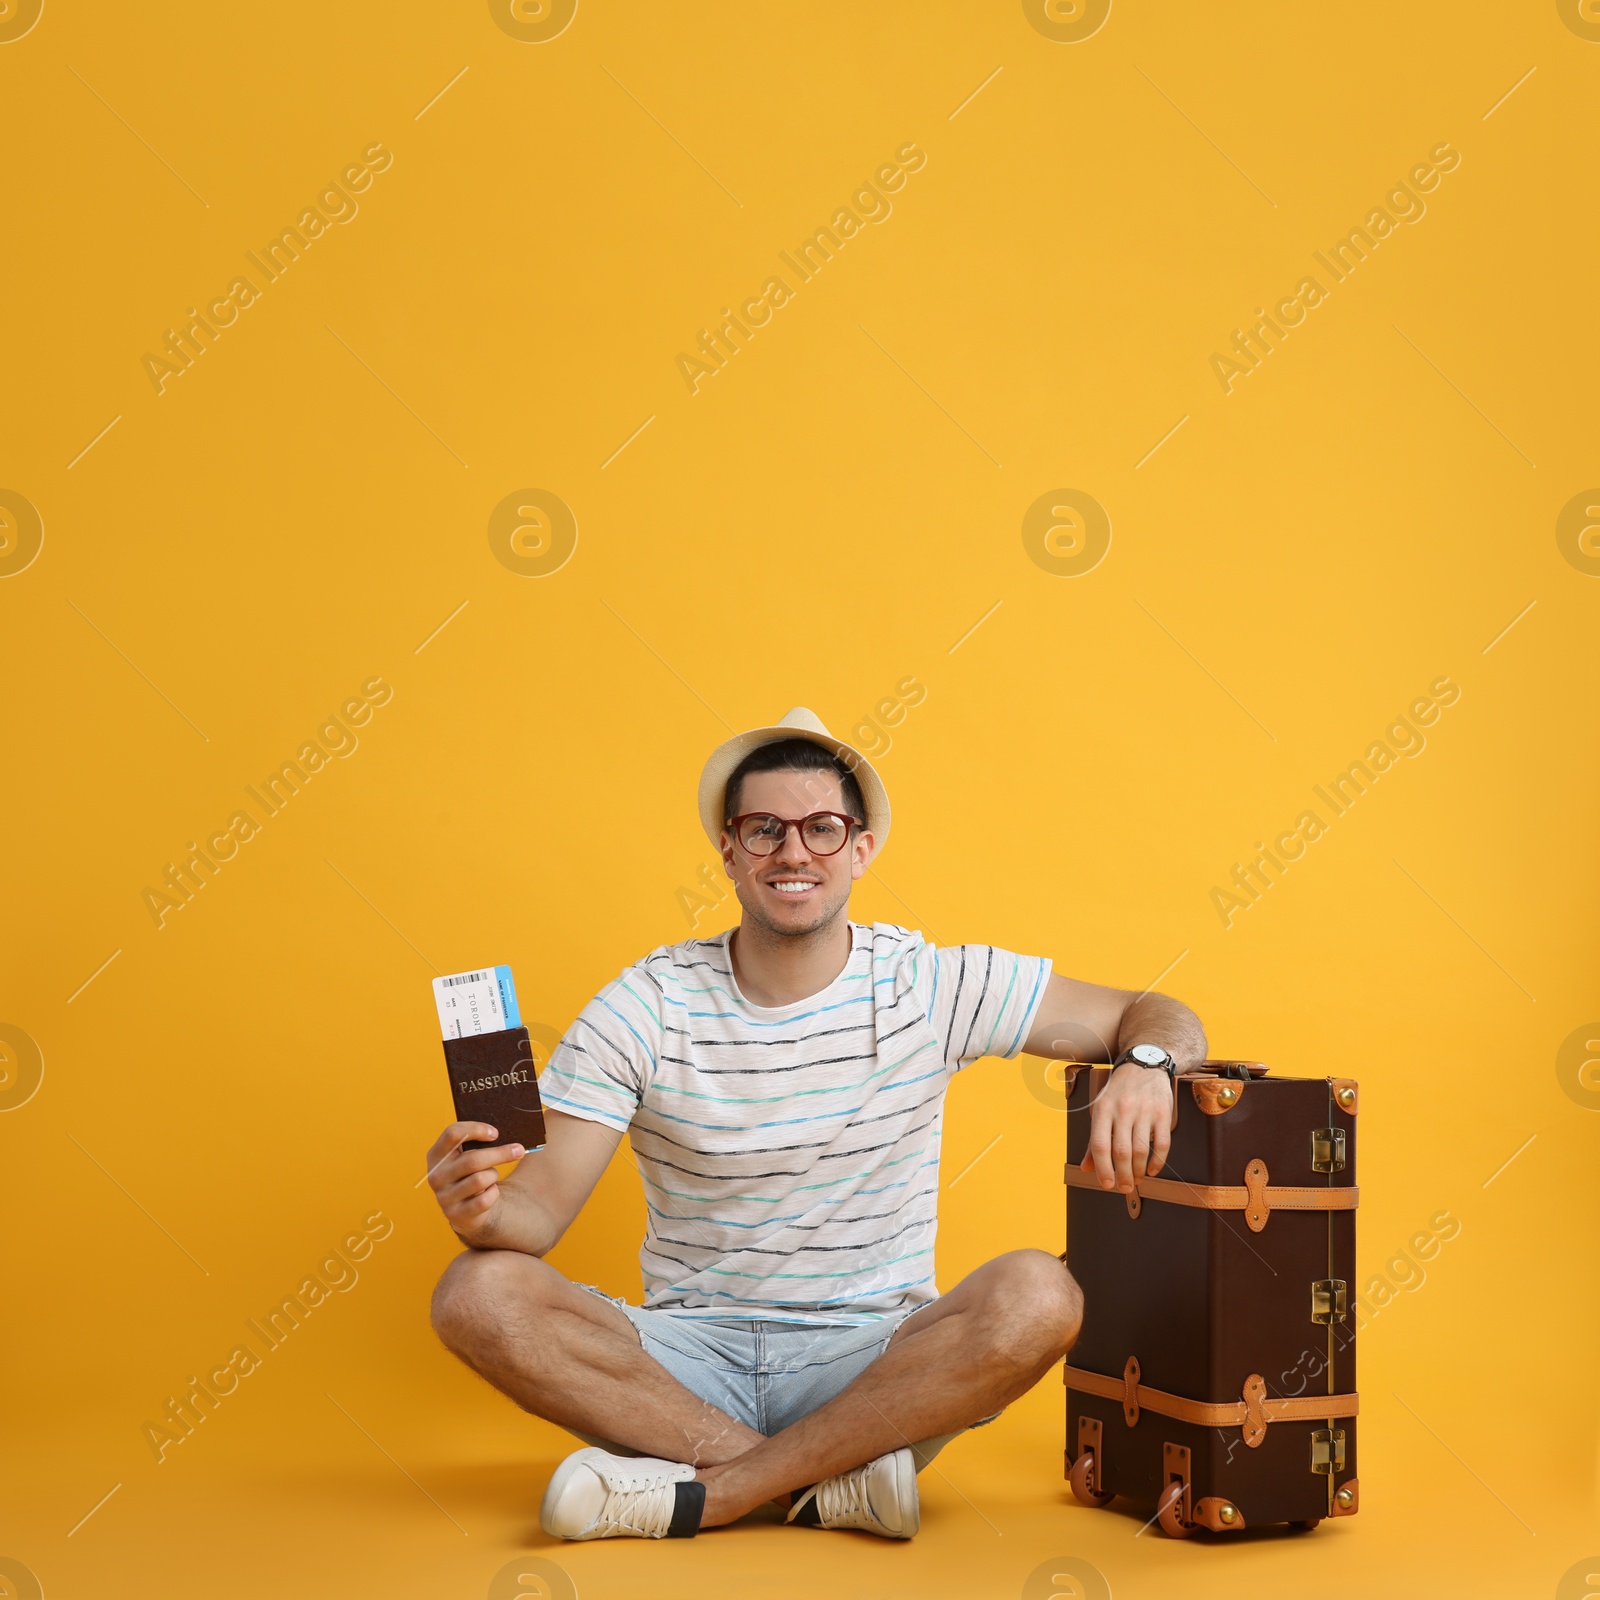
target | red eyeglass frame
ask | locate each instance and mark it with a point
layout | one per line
(851, 824)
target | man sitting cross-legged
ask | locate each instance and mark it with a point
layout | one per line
(782, 1086)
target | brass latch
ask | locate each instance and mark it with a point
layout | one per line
(1327, 1150)
(1328, 1300)
(1327, 1450)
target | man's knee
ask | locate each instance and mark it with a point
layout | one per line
(1039, 1302)
(478, 1290)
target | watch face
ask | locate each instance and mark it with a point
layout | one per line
(1148, 1055)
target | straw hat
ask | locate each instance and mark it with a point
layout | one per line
(799, 723)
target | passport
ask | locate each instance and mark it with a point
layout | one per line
(489, 1056)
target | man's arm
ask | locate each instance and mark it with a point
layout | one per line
(1131, 1119)
(534, 1206)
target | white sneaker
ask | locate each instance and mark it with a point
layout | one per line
(880, 1497)
(596, 1495)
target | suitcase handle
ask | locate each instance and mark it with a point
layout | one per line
(1207, 1069)
(1242, 1070)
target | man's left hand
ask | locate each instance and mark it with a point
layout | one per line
(1130, 1123)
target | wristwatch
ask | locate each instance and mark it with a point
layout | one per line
(1150, 1055)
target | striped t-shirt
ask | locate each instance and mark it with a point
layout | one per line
(790, 1154)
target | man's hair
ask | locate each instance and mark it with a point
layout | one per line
(795, 755)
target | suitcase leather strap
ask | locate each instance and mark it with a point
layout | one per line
(1257, 1198)
(1251, 1414)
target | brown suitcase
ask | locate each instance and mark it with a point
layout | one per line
(1215, 1379)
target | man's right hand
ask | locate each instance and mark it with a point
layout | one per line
(465, 1183)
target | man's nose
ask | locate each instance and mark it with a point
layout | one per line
(793, 851)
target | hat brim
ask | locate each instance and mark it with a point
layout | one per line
(727, 756)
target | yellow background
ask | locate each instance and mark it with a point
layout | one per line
(830, 514)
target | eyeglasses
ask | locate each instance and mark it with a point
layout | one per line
(823, 833)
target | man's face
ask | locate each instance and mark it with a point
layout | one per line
(818, 886)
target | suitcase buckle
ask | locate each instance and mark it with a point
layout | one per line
(1329, 1300)
(1327, 1150)
(1327, 1450)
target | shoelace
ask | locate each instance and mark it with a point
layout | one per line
(644, 1512)
(839, 1498)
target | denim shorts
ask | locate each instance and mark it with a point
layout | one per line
(766, 1375)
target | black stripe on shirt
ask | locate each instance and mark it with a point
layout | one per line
(977, 1009)
(801, 1249)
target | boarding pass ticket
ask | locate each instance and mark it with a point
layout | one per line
(469, 1003)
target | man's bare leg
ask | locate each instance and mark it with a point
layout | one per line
(572, 1358)
(965, 1356)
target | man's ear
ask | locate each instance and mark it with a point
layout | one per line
(863, 850)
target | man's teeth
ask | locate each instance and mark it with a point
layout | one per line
(793, 888)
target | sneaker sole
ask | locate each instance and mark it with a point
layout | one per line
(905, 1473)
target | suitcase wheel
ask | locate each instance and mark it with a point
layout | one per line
(1169, 1511)
(1081, 1476)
